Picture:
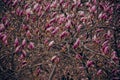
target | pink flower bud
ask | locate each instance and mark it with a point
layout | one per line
(105, 43)
(31, 45)
(35, 6)
(106, 50)
(23, 42)
(68, 24)
(38, 70)
(55, 30)
(93, 9)
(109, 34)
(79, 27)
(26, 6)
(99, 72)
(25, 27)
(54, 4)
(24, 53)
(76, 44)
(2, 27)
(114, 57)
(24, 62)
(16, 42)
(15, 3)
(5, 42)
(88, 4)
(46, 41)
(4, 38)
(17, 49)
(89, 63)
(83, 19)
(81, 13)
(63, 34)
(95, 39)
(28, 34)
(55, 59)
(29, 11)
(53, 20)
(51, 43)
(50, 29)
(78, 56)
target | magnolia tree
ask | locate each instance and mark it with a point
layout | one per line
(60, 40)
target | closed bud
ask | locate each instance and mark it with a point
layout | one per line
(55, 59)
(4, 38)
(106, 50)
(55, 30)
(31, 45)
(51, 43)
(63, 34)
(68, 24)
(99, 72)
(76, 44)
(15, 3)
(23, 42)
(28, 34)
(79, 27)
(78, 56)
(17, 49)
(89, 63)
(2, 27)
(24, 53)
(93, 9)
(16, 42)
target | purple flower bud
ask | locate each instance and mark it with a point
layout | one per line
(24, 53)
(50, 29)
(28, 34)
(89, 63)
(2, 27)
(81, 13)
(68, 24)
(23, 42)
(46, 41)
(55, 30)
(38, 71)
(79, 27)
(76, 44)
(114, 57)
(63, 34)
(29, 11)
(16, 43)
(99, 72)
(51, 43)
(106, 50)
(25, 27)
(95, 39)
(4, 38)
(15, 3)
(78, 56)
(35, 7)
(17, 49)
(26, 6)
(93, 9)
(31, 45)
(54, 4)
(55, 59)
